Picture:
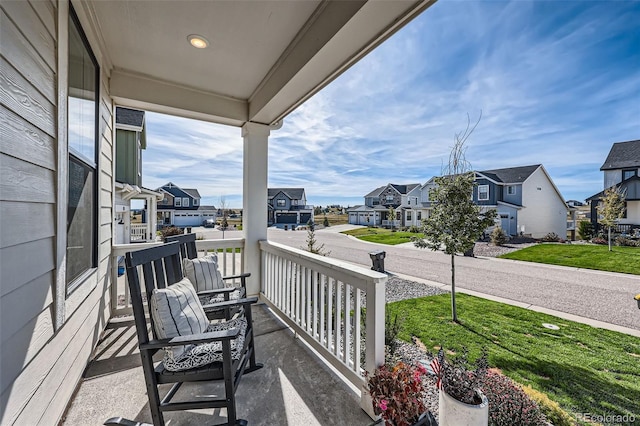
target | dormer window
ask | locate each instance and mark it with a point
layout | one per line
(281, 203)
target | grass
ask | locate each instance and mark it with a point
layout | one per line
(584, 369)
(333, 218)
(621, 259)
(381, 235)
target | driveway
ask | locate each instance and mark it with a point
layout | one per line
(601, 296)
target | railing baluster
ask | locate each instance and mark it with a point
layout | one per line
(346, 323)
(322, 302)
(330, 313)
(338, 316)
(357, 332)
(314, 318)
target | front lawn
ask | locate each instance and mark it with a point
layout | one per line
(381, 235)
(621, 259)
(584, 369)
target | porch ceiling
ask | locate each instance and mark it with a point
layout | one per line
(264, 57)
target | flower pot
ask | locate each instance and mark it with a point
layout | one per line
(452, 412)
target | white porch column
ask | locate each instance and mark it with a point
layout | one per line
(254, 199)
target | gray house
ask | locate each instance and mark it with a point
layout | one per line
(525, 198)
(403, 198)
(181, 207)
(622, 168)
(288, 206)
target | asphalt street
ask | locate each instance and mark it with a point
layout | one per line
(602, 296)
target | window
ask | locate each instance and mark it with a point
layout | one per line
(419, 216)
(177, 202)
(511, 190)
(409, 215)
(195, 202)
(389, 197)
(626, 174)
(82, 134)
(281, 203)
(185, 202)
(483, 192)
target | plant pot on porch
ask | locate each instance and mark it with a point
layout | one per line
(452, 412)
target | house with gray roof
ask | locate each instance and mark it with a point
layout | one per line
(288, 207)
(525, 198)
(403, 198)
(181, 207)
(622, 168)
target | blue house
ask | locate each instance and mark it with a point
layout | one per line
(288, 207)
(181, 207)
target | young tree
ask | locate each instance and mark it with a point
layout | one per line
(455, 222)
(223, 207)
(391, 214)
(312, 243)
(611, 208)
(325, 221)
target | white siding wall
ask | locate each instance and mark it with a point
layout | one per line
(46, 340)
(544, 210)
(633, 213)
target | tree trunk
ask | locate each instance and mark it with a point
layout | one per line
(609, 238)
(453, 289)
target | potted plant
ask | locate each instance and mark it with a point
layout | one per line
(398, 395)
(461, 400)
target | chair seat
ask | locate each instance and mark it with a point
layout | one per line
(213, 371)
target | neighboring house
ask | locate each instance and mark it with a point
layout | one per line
(181, 207)
(288, 207)
(404, 199)
(622, 168)
(526, 199)
(130, 141)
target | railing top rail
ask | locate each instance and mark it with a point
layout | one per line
(214, 244)
(325, 265)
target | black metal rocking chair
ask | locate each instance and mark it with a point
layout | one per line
(160, 269)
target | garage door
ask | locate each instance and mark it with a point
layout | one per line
(286, 217)
(185, 219)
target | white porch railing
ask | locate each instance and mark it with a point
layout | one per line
(230, 261)
(138, 232)
(322, 300)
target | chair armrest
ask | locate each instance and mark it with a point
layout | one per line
(217, 291)
(230, 303)
(192, 339)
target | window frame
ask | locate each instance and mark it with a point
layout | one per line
(74, 284)
(480, 188)
(634, 172)
(511, 190)
(185, 201)
(177, 202)
(195, 202)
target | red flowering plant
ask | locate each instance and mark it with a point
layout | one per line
(398, 393)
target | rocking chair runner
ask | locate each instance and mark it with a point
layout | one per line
(160, 269)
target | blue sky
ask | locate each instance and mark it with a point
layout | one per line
(557, 83)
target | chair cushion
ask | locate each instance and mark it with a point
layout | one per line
(206, 353)
(176, 311)
(203, 272)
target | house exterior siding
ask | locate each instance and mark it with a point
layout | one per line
(543, 212)
(46, 336)
(512, 198)
(494, 192)
(128, 157)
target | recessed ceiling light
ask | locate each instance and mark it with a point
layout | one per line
(198, 41)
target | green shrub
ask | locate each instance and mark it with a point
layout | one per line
(509, 405)
(392, 327)
(625, 242)
(551, 237)
(169, 231)
(414, 229)
(498, 236)
(585, 230)
(551, 409)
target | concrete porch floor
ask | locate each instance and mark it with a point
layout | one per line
(294, 387)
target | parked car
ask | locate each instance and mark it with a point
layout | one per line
(209, 223)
